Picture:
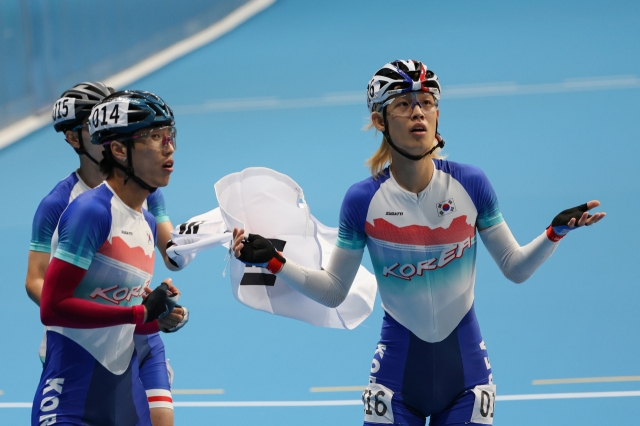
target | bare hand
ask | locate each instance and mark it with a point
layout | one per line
(172, 320)
(238, 238)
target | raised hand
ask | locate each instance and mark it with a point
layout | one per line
(575, 217)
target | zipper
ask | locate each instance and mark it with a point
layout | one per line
(423, 223)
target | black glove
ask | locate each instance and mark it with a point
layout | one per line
(159, 303)
(560, 224)
(258, 251)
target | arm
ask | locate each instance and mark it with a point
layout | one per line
(148, 328)
(328, 287)
(156, 206)
(516, 263)
(164, 235)
(519, 263)
(36, 270)
(60, 308)
(43, 227)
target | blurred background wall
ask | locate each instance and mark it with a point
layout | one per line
(47, 47)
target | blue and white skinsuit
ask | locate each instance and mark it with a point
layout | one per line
(431, 360)
(155, 373)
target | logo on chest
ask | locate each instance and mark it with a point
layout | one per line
(408, 270)
(446, 207)
(117, 294)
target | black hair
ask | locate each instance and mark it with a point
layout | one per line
(108, 162)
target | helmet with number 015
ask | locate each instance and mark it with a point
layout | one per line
(400, 77)
(75, 104)
(119, 115)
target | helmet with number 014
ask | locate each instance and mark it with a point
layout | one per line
(74, 105)
(119, 115)
(400, 77)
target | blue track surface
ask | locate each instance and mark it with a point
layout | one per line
(543, 152)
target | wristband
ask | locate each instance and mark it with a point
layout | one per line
(552, 235)
(276, 263)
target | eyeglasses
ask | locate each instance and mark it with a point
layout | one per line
(403, 105)
(159, 138)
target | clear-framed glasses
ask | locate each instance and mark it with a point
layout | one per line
(159, 138)
(403, 105)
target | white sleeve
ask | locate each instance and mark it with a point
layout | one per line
(516, 263)
(330, 286)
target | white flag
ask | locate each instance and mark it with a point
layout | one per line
(265, 202)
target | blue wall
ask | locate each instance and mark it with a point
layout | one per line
(47, 47)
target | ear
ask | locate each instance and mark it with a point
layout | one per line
(118, 150)
(378, 121)
(72, 138)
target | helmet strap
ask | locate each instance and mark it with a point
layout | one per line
(129, 172)
(401, 151)
(82, 151)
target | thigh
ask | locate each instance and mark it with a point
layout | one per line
(154, 372)
(382, 406)
(76, 389)
(473, 407)
(383, 397)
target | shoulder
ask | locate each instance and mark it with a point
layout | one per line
(150, 218)
(58, 198)
(460, 171)
(95, 203)
(155, 197)
(362, 192)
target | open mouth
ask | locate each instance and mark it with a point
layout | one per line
(418, 129)
(168, 165)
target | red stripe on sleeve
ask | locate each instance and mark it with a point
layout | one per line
(160, 399)
(59, 307)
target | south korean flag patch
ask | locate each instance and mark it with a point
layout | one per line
(446, 207)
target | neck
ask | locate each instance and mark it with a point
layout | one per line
(89, 172)
(414, 176)
(131, 194)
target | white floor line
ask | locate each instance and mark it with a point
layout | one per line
(336, 403)
(448, 92)
(34, 122)
(572, 395)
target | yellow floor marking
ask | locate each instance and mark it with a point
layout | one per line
(338, 389)
(197, 391)
(587, 380)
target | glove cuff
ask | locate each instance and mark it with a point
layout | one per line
(276, 263)
(552, 235)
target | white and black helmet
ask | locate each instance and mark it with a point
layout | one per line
(400, 77)
(74, 105)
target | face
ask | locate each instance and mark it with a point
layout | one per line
(94, 150)
(153, 155)
(412, 119)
